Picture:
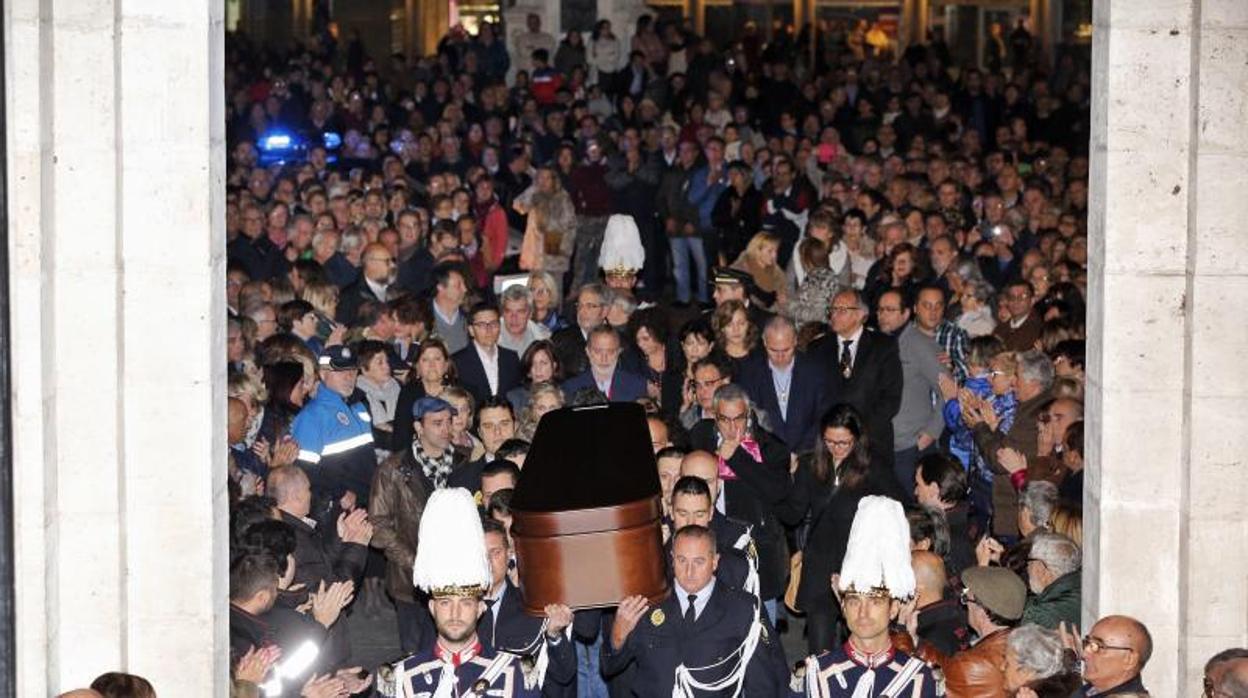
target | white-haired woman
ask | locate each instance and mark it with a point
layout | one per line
(1038, 665)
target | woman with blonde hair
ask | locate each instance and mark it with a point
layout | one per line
(814, 295)
(1068, 521)
(546, 300)
(771, 286)
(543, 397)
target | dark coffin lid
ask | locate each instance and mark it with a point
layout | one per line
(586, 458)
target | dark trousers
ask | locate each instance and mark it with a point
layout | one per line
(823, 632)
(415, 625)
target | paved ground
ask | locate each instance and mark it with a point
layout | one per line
(376, 640)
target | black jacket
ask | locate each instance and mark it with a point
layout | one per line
(752, 498)
(321, 556)
(508, 627)
(873, 386)
(806, 399)
(352, 297)
(662, 641)
(943, 626)
(570, 350)
(828, 513)
(472, 372)
(260, 258)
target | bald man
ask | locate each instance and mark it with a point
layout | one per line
(378, 271)
(333, 556)
(1115, 651)
(732, 535)
(1233, 680)
(941, 622)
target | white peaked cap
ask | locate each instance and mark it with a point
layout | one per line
(877, 558)
(450, 555)
(621, 246)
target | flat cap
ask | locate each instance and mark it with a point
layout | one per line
(997, 589)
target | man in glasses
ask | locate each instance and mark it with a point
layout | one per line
(377, 275)
(485, 369)
(1114, 653)
(753, 467)
(994, 598)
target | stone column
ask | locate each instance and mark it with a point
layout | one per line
(1166, 506)
(116, 164)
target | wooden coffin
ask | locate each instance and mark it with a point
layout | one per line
(585, 514)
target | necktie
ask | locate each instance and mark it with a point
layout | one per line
(486, 627)
(847, 359)
(690, 613)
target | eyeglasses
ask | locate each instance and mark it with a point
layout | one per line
(964, 597)
(1094, 644)
(842, 309)
(847, 443)
(739, 419)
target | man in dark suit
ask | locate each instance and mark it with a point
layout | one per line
(485, 369)
(698, 626)
(786, 385)
(748, 471)
(372, 285)
(605, 373)
(505, 626)
(863, 368)
(592, 302)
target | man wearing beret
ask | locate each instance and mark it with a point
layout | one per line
(401, 487)
(994, 598)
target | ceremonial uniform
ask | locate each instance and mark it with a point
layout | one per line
(335, 446)
(505, 625)
(476, 671)
(846, 671)
(664, 640)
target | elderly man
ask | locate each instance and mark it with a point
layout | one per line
(863, 367)
(787, 385)
(320, 556)
(519, 328)
(592, 302)
(753, 467)
(1032, 379)
(335, 437)
(695, 628)
(994, 598)
(1053, 575)
(605, 373)
(1115, 651)
(378, 274)
(938, 620)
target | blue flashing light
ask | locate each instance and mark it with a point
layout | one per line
(276, 141)
(332, 140)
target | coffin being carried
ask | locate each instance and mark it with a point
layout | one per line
(586, 512)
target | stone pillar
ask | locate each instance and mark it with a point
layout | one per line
(116, 164)
(1166, 506)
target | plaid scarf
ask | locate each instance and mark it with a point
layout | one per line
(437, 469)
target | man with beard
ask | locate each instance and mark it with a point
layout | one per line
(452, 567)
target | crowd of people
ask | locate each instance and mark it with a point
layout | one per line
(855, 275)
